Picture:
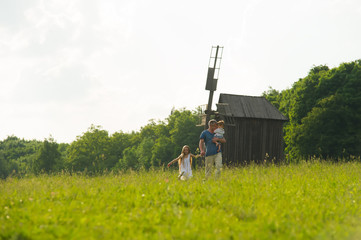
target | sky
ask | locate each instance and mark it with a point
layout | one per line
(68, 64)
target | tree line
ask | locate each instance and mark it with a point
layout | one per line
(323, 108)
(324, 111)
(96, 151)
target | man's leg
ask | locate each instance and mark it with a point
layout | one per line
(218, 161)
(209, 165)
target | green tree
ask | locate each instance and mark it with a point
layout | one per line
(4, 168)
(162, 152)
(154, 130)
(129, 159)
(273, 96)
(19, 154)
(185, 131)
(90, 151)
(324, 110)
(62, 148)
(48, 157)
(144, 153)
(332, 129)
(119, 141)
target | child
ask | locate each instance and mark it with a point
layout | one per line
(185, 163)
(218, 133)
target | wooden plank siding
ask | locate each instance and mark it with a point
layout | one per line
(254, 129)
(251, 139)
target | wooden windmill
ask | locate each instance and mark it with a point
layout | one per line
(254, 127)
(212, 79)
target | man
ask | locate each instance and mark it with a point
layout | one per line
(213, 156)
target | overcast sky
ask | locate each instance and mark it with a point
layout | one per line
(67, 64)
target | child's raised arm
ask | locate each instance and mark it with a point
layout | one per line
(171, 162)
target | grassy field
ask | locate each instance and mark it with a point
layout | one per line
(302, 201)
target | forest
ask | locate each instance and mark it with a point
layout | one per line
(96, 151)
(324, 112)
(323, 108)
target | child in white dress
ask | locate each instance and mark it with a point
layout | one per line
(185, 163)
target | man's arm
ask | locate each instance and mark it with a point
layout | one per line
(201, 147)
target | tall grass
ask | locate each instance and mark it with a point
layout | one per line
(298, 201)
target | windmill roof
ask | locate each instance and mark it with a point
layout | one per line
(248, 107)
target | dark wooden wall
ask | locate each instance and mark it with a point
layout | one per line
(251, 139)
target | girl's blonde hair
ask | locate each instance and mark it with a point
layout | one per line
(182, 153)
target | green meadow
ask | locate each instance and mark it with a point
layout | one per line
(309, 200)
